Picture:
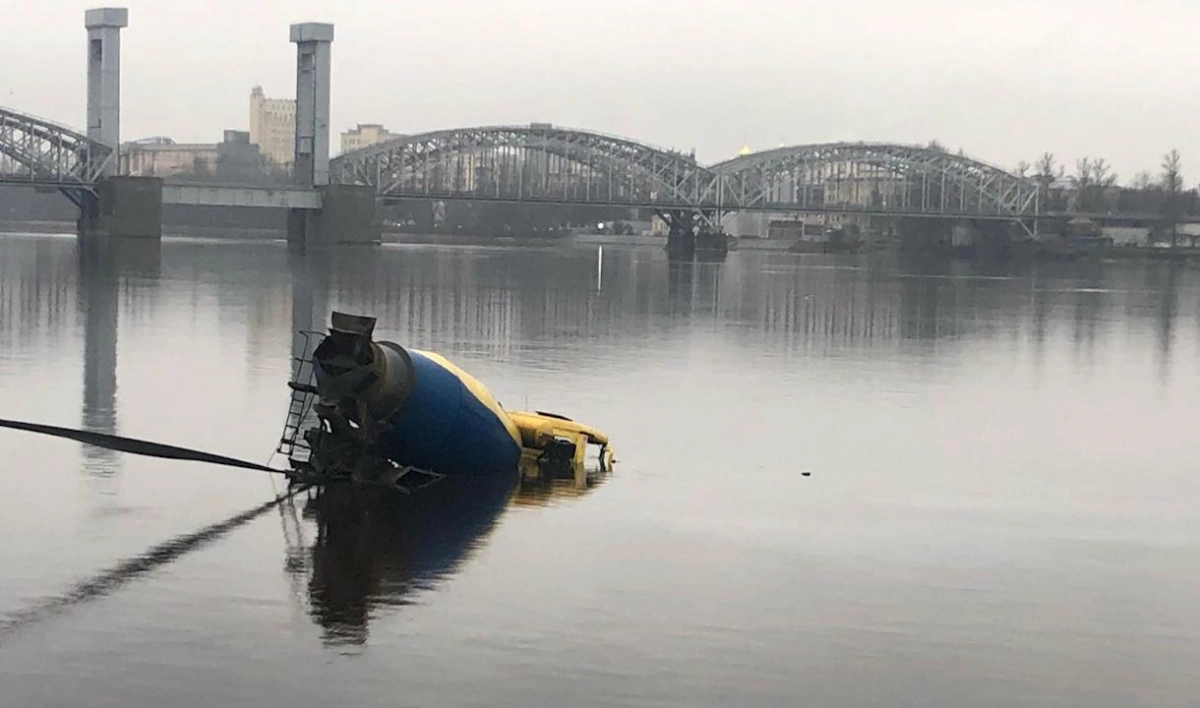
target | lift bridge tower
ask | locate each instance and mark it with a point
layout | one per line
(104, 27)
(348, 211)
(119, 205)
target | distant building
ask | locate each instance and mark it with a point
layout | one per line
(273, 126)
(238, 159)
(366, 135)
(163, 157)
(658, 226)
(786, 228)
(235, 159)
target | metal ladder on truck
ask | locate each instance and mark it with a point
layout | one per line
(303, 385)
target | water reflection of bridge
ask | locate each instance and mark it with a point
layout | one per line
(492, 304)
(515, 305)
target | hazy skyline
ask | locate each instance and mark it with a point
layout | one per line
(1004, 80)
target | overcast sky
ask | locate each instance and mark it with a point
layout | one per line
(1003, 79)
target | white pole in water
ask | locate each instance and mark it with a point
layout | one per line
(599, 268)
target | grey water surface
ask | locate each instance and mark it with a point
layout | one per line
(1001, 508)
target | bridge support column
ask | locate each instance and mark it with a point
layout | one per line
(104, 79)
(711, 241)
(313, 41)
(681, 234)
(923, 233)
(123, 207)
(993, 241)
(688, 235)
(347, 215)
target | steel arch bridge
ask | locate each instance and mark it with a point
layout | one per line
(542, 163)
(549, 164)
(533, 163)
(39, 152)
(878, 178)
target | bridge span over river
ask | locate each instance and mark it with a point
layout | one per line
(542, 163)
(334, 199)
(555, 165)
(545, 163)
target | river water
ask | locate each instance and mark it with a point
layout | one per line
(999, 507)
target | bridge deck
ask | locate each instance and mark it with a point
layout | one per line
(241, 196)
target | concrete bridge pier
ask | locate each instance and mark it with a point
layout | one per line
(981, 239)
(347, 215)
(923, 234)
(711, 240)
(687, 236)
(993, 240)
(123, 207)
(119, 206)
(986, 239)
(681, 234)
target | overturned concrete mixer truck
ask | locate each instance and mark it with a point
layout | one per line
(374, 411)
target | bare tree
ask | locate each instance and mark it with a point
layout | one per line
(1090, 180)
(1022, 169)
(1083, 172)
(1045, 167)
(1080, 197)
(1142, 181)
(936, 146)
(1172, 183)
(1172, 174)
(1046, 173)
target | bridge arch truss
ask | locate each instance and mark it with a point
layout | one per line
(543, 163)
(879, 178)
(534, 163)
(39, 152)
